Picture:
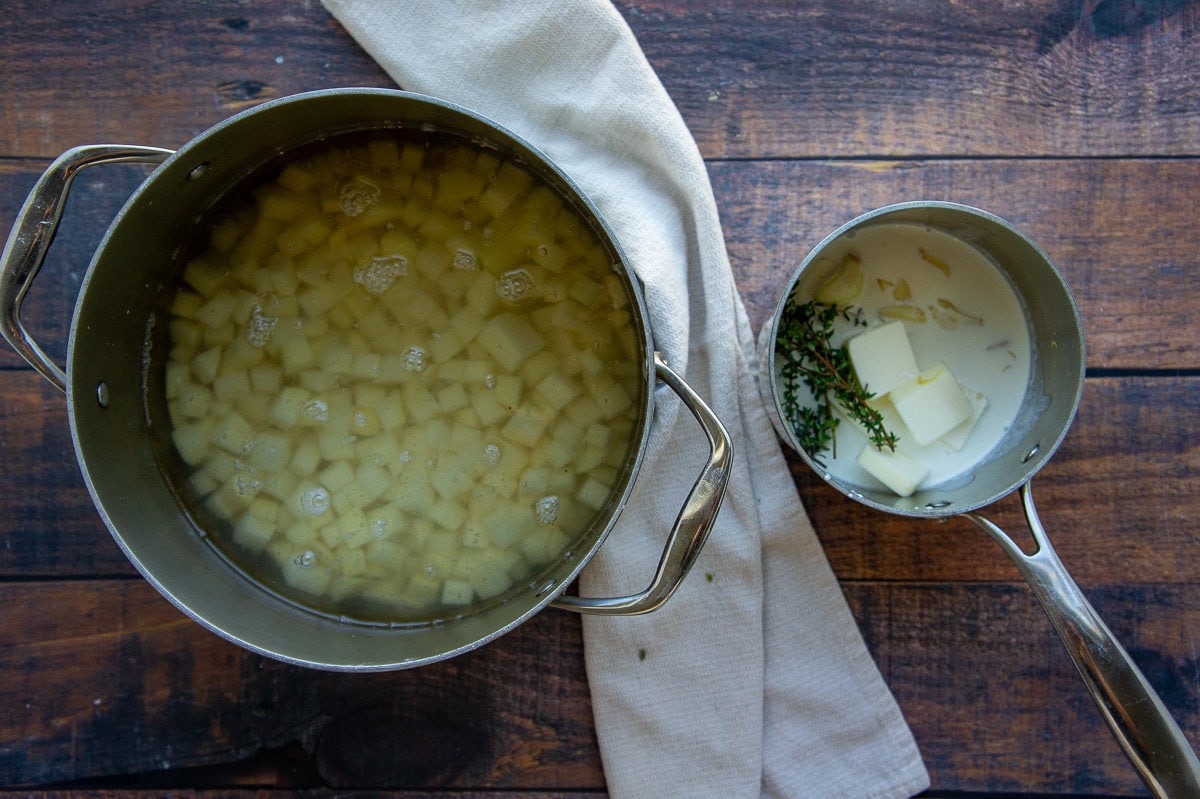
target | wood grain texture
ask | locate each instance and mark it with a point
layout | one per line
(779, 79)
(113, 680)
(1077, 120)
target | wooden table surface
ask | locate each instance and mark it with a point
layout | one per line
(1077, 120)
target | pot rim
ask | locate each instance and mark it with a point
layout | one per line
(191, 162)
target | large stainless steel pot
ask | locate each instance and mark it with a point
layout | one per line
(111, 384)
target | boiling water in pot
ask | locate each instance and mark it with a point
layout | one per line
(402, 377)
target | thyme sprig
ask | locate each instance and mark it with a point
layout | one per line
(803, 343)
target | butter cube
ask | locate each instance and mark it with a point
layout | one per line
(932, 404)
(957, 438)
(882, 357)
(895, 470)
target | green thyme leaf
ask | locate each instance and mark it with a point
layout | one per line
(803, 344)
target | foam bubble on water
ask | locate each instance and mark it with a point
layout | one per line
(378, 274)
(489, 380)
(247, 486)
(465, 260)
(317, 410)
(414, 359)
(547, 509)
(260, 327)
(491, 454)
(314, 501)
(514, 285)
(306, 559)
(356, 194)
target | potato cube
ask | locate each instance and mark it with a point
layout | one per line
(287, 410)
(191, 441)
(511, 340)
(270, 452)
(191, 402)
(266, 378)
(206, 365)
(297, 355)
(306, 457)
(422, 591)
(558, 391)
(593, 493)
(253, 532)
(457, 592)
(526, 426)
(232, 432)
(229, 387)
(448, 514)
(420, 404)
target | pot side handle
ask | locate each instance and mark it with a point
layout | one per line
(33, 231)
(691, 527)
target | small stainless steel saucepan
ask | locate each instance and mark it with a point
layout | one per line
(1134, 712)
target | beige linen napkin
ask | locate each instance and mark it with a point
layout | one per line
(753, 679)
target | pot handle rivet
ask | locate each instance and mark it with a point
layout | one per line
(102, 394)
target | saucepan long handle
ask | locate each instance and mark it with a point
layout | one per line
(692, 525)
(33, 231)
(1136, 715)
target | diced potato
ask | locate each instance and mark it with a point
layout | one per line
(229, 387)
(557, 390)
(253, 532)
(266, 378)
(231, 433)
(511, 340)
(191, 441)
(526, 426)
(392, 446)
(191, 402)
(457, 592)
(287, 410)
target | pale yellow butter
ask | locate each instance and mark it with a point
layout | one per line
(932, 404)
(882, 357)
(897, 471)
(957, 438)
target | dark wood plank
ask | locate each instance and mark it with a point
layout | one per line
(774, 79)
(993, 700)
(249, 793)
(140, 72)
(126, 686)
(108, 679)
(767, 79)
(1125, 257)
(50, 525)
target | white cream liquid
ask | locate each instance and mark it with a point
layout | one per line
(986, 347)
